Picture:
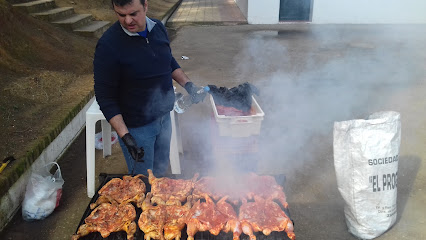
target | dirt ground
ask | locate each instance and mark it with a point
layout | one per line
(45, 73)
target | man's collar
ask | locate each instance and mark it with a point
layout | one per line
(149, 24)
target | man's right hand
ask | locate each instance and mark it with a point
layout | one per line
(136, 153)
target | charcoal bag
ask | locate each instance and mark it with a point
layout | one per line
(366, 155)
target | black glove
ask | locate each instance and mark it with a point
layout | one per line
(136, 153)
(193, 90)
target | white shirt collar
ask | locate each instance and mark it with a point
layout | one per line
(149, 24)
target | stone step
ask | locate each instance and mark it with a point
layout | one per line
(64, 17)
(74, 21)
(19, 1)
(54, 14)
(35, 6)
(93, 29)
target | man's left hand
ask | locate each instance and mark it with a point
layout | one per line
(193, 90)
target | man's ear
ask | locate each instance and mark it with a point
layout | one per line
(145, 7)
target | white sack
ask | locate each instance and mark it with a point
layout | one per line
(366, 163)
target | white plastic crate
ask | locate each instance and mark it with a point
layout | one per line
(239, 126)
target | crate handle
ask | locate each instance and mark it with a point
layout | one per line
(241, 120)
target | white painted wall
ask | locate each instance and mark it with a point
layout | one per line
(342, 11)
(369, 11)
(243, 5)
(263, 12)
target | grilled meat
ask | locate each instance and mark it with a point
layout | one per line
(232, 222)
(151, 220)
(205, 216)
(265, 187)
(162, 221)
(259, 200)
(175, 219)
(108, 218)
(218, 189)
(243, 187)
(264, 216)
(128, 189)
(170, 191)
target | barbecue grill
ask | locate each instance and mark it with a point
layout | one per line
(139, 235)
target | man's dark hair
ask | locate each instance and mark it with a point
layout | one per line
(125, 2)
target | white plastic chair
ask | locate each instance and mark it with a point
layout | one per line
(93, 115)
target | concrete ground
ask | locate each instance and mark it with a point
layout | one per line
(309, 76)
(207, 12)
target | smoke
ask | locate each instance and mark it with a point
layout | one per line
(311, 78)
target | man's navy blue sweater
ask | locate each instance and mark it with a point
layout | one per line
(133, 74)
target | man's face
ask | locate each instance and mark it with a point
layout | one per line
(132, 16)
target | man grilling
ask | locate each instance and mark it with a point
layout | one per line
(133, 72)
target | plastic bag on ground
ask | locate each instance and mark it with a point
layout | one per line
(43, 193)
(366, 164)
(98, 139)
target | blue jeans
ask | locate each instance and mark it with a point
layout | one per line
(155, 140)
